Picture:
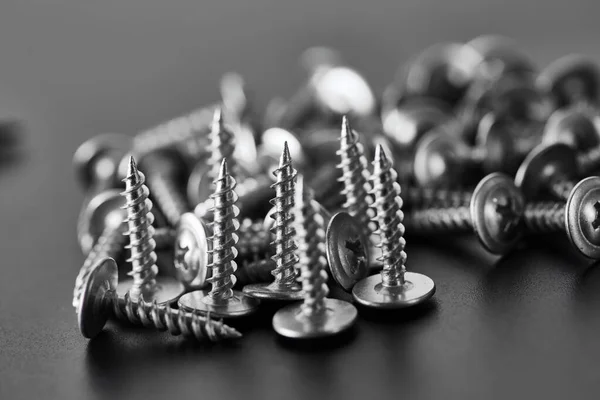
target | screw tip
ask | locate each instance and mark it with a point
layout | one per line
(348, 135)
(223, 171)
(132, 168)
(286, 158)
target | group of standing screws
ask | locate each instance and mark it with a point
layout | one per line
(203, 218)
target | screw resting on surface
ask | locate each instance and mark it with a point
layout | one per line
(544, 217)
(355, 177)
(440, 220)
(139, 220)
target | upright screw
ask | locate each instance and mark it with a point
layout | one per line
(100, 302)
(355, 177)
(579, 217)
(494, 213)
(222, 300)
(317, 316)
(394, 288)
(143, 258)
(285, 286)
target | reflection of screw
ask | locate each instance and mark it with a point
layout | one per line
(100, 301)
(395, 288)
(285, 286)
(317, 316)
(222, 300)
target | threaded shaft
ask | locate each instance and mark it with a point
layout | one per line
(311, 242)
(225, 226)
(561, 189)
(222, 146)
(589, 162)
(168, 197)
(165, 318)
(139, 220)
(388, 217)
(423, 197)
(439, 220)
(258, 271)
(544, 217)
(109, 244)
(283, 229)
(355, 178)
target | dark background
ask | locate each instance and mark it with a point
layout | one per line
(523, 326)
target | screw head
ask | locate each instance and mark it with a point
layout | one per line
(102, 210)
(167, 290)
(501, 56)
(99, 157)
(371, 292)
(544, 164)
(438, 159)
(92, 313)
(292, 322)
(496, 136)
(274, 291)
(578, 126)
(347, 250)
(191, 253)
(582, 217)
(238, 305)
(571, 79)
(497, 207)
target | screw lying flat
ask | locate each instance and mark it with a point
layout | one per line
(100, 301)
(394, 288)
(575, 126)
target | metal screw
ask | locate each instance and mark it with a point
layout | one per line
(257, 271)
(222, 300)
(501, 57)
(143, 258)
(285, 286)
(494, 212)
(100, 301)
(100, 212)
(316, 316)
(579, 217)
(394, 288)
(576, 126)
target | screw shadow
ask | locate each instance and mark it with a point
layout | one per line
(423, 311)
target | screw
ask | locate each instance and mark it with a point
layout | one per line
(501, 57)
(570, 80)
(100, 301)
(576, 126)
(579, 217)
(494, 212)
(316, 316)
(257, 271)
(143, 258)
(100, 212)
(285, 286)
(222, 300)
(394, 288)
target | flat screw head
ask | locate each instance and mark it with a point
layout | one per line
(92, 313)
(347, 250)
(438, 159)
(582, 217)
(497, 207)
(501, 56)
(577, 126)
(292, 322)
(544, 164)
(167, 290)
(102, 210)
(238, 305)
(191, 253)
(274, 292)
(416, 289)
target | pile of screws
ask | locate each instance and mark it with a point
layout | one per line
(478, 139)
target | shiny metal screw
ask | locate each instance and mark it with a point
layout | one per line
(222, 300)
(576, 126)
(257, 271)
(316, 316)
(394, 288)
(143, 258)
(100, 301)
(285, 286)
(579, 217)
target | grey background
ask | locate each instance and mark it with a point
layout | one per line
(523, 326)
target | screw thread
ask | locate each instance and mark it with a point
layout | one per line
(388, 216)
(258, 271)
(311, 238)
(165, 318)
(139, 220)
(544, 217)
(355, 177)
(561, 189)
(109, 244)
(439, 220)
(589, 161)
(424, 197)
(283, 229)
(168, 197)
(225, 226)
(222, 146)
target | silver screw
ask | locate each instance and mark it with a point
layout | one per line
(143, 258)
(222, 300)
(257, 271)
(394, 288)
(316, 316)
(100, 302)
(285, 286)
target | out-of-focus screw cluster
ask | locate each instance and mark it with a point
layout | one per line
(469, 138)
